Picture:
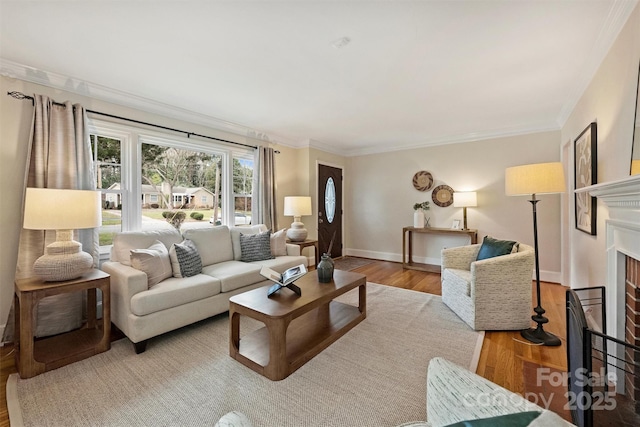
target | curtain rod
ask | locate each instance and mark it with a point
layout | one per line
(22, 96)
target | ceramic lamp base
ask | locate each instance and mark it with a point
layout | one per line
(63, 260)
(297, 232)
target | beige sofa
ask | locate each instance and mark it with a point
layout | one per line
(142, 312)
(491, 294)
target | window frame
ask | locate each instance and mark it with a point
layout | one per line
(131, 139)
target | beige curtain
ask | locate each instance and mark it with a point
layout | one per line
(263, 199)
(59, 157)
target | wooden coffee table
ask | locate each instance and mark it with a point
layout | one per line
(296, 327)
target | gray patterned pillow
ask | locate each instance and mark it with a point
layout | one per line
(185, 259)
(255, 247)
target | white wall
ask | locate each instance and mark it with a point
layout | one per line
(381, 197)
(609, 100)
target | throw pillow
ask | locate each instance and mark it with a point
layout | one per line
(255, 247)
(516, 419)
(185, 259)
(493, 247)
(279, 243)
(154, 261)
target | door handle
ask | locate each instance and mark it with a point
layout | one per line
(320, 221)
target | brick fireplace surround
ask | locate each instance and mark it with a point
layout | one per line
(621, 200)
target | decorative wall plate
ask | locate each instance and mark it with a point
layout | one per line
(422, 181)
(442, 196)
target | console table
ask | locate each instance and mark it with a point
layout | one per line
(34, 357)
(409, 264)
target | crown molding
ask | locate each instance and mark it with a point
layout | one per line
(14, 70)
(617, 17)
(457, 139)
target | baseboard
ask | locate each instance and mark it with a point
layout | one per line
(545, 276)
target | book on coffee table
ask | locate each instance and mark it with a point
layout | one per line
(284, 280)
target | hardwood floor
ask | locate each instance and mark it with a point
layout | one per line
(506, 358)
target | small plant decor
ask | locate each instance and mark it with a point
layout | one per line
(424, 206)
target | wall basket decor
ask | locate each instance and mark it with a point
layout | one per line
(585, 157)
(422, 181)
(442, 196)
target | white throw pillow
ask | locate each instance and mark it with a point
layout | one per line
(279, 243)
(154, 261)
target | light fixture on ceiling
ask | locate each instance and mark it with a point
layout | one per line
(341, 42)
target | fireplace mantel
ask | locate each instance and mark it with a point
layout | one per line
(624, 193)
(621, 200)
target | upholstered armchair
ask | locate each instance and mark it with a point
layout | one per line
(491, 294)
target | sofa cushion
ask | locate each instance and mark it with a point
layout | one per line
(235, 237)
(214, 244)
(173, 292)
(185, 259)
(154, 261)
(255, 247)
(279, 243)
(493, 247)
(125, 241)
(234, 274)
(281, 263)
(458, 280)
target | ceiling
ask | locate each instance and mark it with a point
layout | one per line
(415, 73)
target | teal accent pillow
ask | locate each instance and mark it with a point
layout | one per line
(493, 247)
(517, 419)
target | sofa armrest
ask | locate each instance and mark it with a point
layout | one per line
(293, 250)
(460, 257)
(456, 394)
(126, 281)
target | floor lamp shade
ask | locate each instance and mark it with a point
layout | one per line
(297, 206)
(63, 211)
(464, 200)
(541, 178)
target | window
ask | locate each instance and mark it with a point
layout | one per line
(107, 155)
(149, 178)
(242, 189)
(174, 176)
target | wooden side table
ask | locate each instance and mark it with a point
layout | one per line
(409, 264)
(308, 243)
(33, 357)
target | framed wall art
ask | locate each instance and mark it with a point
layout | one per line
(585, 157)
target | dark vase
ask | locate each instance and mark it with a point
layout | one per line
(325, 269)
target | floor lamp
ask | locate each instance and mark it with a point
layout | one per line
(541, 178)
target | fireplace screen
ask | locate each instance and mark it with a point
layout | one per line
(604, 372)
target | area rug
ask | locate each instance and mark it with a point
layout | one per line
(375, 375)
(349, 263)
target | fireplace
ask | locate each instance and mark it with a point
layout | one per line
(622, 244)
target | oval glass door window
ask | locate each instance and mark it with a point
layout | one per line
(330, 200)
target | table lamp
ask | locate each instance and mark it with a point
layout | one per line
(540, 178)
(465, 199)
(297, 206)
(63, 211)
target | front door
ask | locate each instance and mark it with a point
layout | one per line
(330, 210)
